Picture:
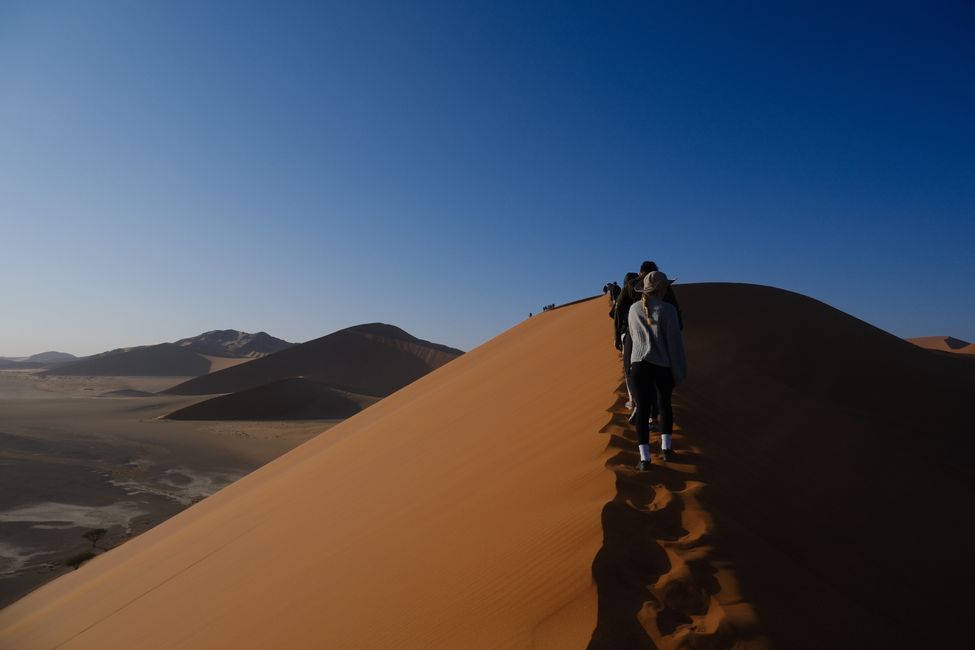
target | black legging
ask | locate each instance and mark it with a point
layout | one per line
(654, 384)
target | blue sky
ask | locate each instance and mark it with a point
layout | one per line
(169, 168)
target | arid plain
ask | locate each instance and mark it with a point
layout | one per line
(78, 457)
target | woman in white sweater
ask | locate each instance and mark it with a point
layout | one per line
(657, 362)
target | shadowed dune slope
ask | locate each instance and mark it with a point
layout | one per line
(838, 458)
(286, 399)
(163, 360)
(374, 359)
(462, 511)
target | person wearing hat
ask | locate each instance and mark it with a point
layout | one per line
(657, 361)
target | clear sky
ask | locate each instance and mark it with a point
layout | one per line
(173, 167)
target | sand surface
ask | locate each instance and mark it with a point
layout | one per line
(462, 511)
(943, 343)
(819, 500)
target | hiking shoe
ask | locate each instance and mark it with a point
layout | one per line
(669, 455)
(644, 466)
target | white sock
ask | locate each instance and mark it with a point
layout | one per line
(665, 441)
(644, 452)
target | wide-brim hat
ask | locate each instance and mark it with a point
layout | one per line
(653, 281)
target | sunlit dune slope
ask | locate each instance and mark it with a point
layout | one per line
(943, 343)
(461, 512)
(374, 359)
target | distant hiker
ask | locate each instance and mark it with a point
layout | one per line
(626, 298)
(613, 290)
(670, 296)
(657, 361)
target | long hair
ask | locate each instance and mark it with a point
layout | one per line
(656, 293)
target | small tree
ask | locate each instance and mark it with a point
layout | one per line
(94, 535)
(78, 559)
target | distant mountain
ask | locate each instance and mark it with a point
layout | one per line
(296, 398)
(42, 360)
(163, 360)
(188, 357)
(14, 364)
(233, 343)
(51, 357)
(374, 359)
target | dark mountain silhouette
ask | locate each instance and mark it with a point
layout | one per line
(51, 357)
(163, 360)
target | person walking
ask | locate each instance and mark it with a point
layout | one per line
(657, 362)
(626, 298)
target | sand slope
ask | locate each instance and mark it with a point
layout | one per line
(374, 359)
(295, 398)
(820, 499)
(462, 511)
(942, 343)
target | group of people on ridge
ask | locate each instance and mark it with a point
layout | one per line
(647, 330)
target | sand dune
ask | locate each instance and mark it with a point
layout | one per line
(942, 343)
(818, 501)
(374, 359)
(295, 398)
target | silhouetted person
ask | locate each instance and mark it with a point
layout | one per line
(657, 361)
(626, 298)
(613, 290)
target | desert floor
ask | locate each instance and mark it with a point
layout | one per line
(76, 455)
